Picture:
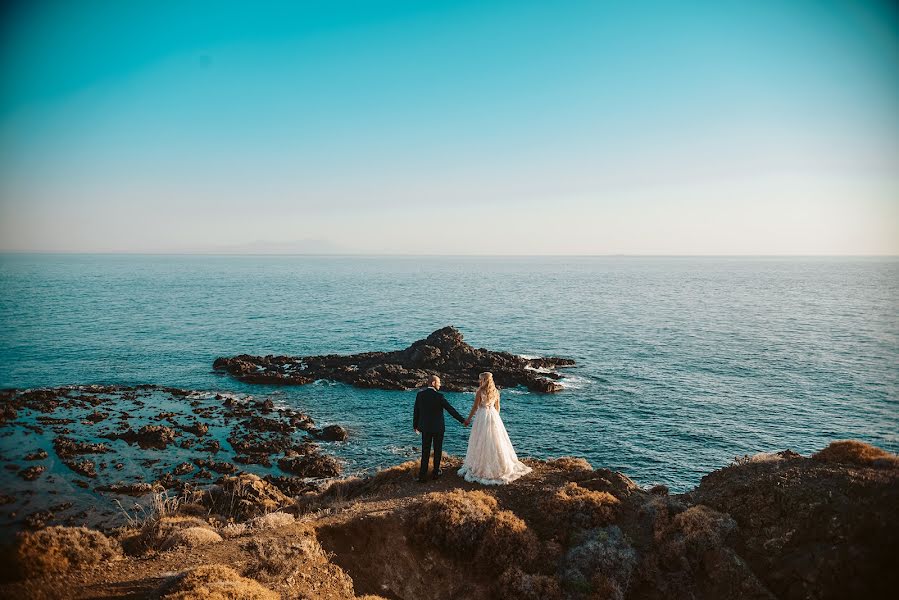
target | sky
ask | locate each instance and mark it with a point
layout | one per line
(485, 127)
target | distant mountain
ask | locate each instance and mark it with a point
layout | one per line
(271, 247)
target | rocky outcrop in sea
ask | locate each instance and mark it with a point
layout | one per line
(444, 353)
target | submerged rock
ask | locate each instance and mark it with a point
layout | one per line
(127, 489)
(444, 353)
(148, 436)
(39, 454)
(32, 473)
(82, 467)
(67, 447)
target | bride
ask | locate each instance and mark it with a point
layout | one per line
(490, 459)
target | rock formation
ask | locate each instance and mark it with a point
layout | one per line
(443, 353)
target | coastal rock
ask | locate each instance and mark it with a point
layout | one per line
(290, 486)
(148, 436)
(127, 489)
(444, 353)
(67, 447)
(86, 468)
(197, 428)
(813, 528)
(183, 469)
(31, 473)
(39, 454)
(311, 465)
(217, 466)
(331, 433)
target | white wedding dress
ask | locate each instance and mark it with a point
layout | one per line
(491, 459)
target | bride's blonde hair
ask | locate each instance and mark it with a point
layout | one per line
(487, 391)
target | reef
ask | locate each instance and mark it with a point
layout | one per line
(150, 440)
(443, 353)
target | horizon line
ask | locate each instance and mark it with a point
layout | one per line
(438, 255)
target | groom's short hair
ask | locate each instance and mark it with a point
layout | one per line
(433, 380)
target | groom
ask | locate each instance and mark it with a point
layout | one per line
(427, 419)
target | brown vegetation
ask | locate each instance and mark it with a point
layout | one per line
(164, 533)
(573, 506)
(244, 496)
(297, 565)
(214, 582)
(57, 549)
(783, 526)
(856, 453)
(469, 524)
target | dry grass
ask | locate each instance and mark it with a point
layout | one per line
(569, 463)
(273, 520)
(298, 566)
(341, 490)
(693, 534)
(453, 520)
(55, 550)
(856, 453)
(215, 582)
(191, 537)
(244, 496)
(515, 584)
(164, 533)
(507, 541)
(572, 506)
(469, 525)
(278, 559)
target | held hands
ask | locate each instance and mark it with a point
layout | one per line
(466, 423)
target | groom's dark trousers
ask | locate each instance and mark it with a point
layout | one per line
(428, 419)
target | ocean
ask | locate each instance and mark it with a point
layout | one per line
(682, 363)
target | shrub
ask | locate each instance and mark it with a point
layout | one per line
(694, 533)
(214, 582)
(515, 584)
(191, 537)
(57, 549)
(160, 533)
(575, 507)
(601, 560)
(233, 530)
(280, 558)
(244, 496)
(469, 524)
(453, 520)
(856, 453)
(507, 542)
(569, 463)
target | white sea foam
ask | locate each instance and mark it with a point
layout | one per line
(575, 382)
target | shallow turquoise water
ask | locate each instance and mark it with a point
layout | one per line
(683, 363)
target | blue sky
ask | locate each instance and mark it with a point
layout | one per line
(450, 127)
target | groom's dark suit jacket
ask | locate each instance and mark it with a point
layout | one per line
(428, 414)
